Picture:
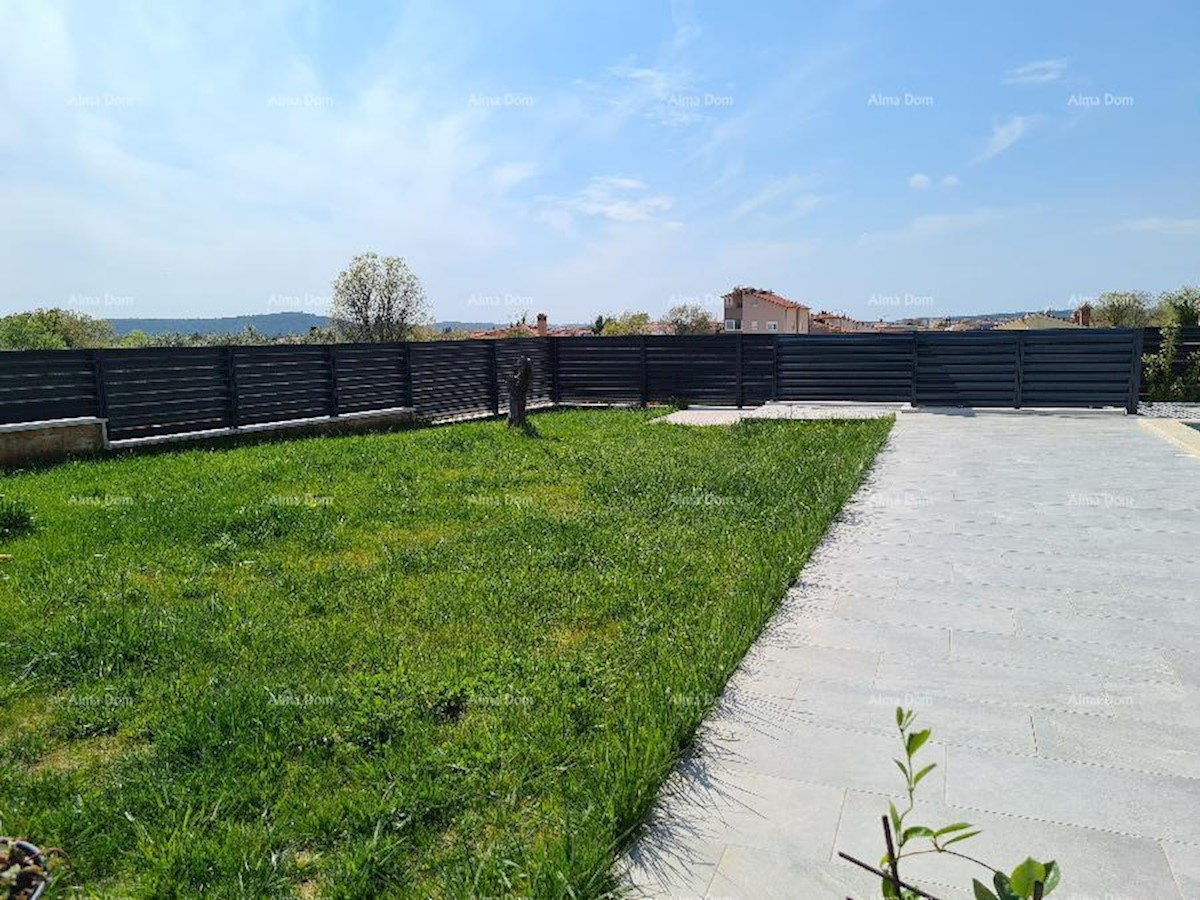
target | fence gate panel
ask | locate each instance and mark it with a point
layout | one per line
(967, 368)
(863, 367)
(1068, 367)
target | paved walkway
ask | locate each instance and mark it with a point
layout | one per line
(1031, 586)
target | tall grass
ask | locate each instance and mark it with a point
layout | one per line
(455, 661)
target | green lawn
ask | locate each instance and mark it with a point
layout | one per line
(448, 661)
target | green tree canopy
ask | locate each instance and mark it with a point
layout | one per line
(1123, 309)
(626, 323)
(690, 318)
(378, 298)
(54, 329)
(1181, 306)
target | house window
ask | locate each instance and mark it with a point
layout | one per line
(772, 326)
(733, 324)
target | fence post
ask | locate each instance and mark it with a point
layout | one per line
(1019, 386)
(553, 356)
(231, 378)
(407, 374)
(494, 383)
(101, 392)
(331, 363)
(1137, 342)
(643, 380)
(775, 368)
(915, 365)
(741, 394)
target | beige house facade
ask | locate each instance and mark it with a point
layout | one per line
(754, 311)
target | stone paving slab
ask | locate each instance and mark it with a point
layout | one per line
(1031, 586)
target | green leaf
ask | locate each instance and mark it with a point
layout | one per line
(915, 831)
(981, 891)
(899, 717)
(925, 771)
(1025, 875)
(960, 837)
(903, 768)
(889, 889)
(1053, 874)
(916, 741)
(1004, 888)
(957, 826)
(895, 816)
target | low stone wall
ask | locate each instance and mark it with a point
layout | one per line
(50, 441)
(1169, 410)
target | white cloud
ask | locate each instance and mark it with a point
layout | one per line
(949, 181)
(607, 197)
(1042, 71)
(1005, 134)
(1160, 225)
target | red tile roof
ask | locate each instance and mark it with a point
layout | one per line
(769, 296)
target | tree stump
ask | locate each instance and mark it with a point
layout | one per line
(519, 384)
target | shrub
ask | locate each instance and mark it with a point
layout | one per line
(1163, 381)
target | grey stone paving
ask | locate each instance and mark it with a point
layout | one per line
(1031, 586)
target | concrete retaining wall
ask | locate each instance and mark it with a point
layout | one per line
(58, 439)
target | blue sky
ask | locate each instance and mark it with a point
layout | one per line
(881, 159)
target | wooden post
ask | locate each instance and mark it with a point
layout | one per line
(518, 384)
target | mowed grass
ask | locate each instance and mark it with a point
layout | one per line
(450, 661)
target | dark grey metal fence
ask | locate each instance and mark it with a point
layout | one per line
(160, 391)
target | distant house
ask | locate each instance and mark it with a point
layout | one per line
(1034, 321)
(836, 323)
(754, 311)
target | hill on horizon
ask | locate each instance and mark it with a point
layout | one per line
(270, 324)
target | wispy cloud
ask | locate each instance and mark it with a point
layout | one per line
(607, 197)
(1042, 71)
(789, 192)
(1005, 134)
(1160, 225)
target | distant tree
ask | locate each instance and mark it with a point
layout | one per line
(598, 325)
(54, 329)
(1181, 306)
(378, 299)
(1123, 309)
(626, 323)
(690, 318)
(24, 332)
